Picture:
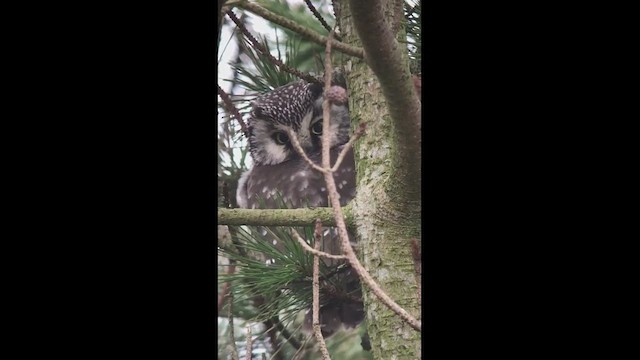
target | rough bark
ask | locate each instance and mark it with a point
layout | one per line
(386, 209)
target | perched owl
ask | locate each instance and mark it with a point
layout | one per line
(279, 174)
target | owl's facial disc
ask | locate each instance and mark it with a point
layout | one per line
(293, 107)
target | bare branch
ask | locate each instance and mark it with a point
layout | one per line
(232, 338)
(280, 217)
(308, 248)
(249, 355)
(348, 146)
(316, 303)
(306, 32)
(296, 145)
(265, 52)
(232, 109)
(337, 211)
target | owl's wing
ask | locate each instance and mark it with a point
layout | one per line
(297, 185)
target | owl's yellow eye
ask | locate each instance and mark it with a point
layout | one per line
(280, 138)
(316, 128)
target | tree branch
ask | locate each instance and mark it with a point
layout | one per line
(348, 146)
(296, 145)
(337, 211)
(231, 347)
(316, 297)
(387, 58)
(249, 354)
(280, 217)
(318, 16)
(293, 26)
(308, 248)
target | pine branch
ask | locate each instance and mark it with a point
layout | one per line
(293, 26)
(280, 217)
(337, 210)
(316, 294)
(266, 53)
(319, 17)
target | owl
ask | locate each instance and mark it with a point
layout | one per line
(280, 174)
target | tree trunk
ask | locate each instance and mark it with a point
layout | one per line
(387, 215)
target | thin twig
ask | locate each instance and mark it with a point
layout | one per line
(308, 248)
(316, 303)
(232, 110)
(348, 146)
(232, 338)
(337, 210)
(296, 145)
(300, 29)
(249, 355)
(266, 53)
(319, 17)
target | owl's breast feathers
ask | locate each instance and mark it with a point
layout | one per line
(300, 186)
(296, 182)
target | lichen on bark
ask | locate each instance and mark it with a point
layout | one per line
(386, 209)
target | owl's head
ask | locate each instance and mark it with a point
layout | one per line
(296, 106)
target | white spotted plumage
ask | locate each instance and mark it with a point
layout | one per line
(279, 172)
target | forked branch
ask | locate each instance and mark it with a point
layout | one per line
(326, 169)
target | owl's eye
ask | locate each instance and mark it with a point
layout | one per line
(280, 138)
(316, 128)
